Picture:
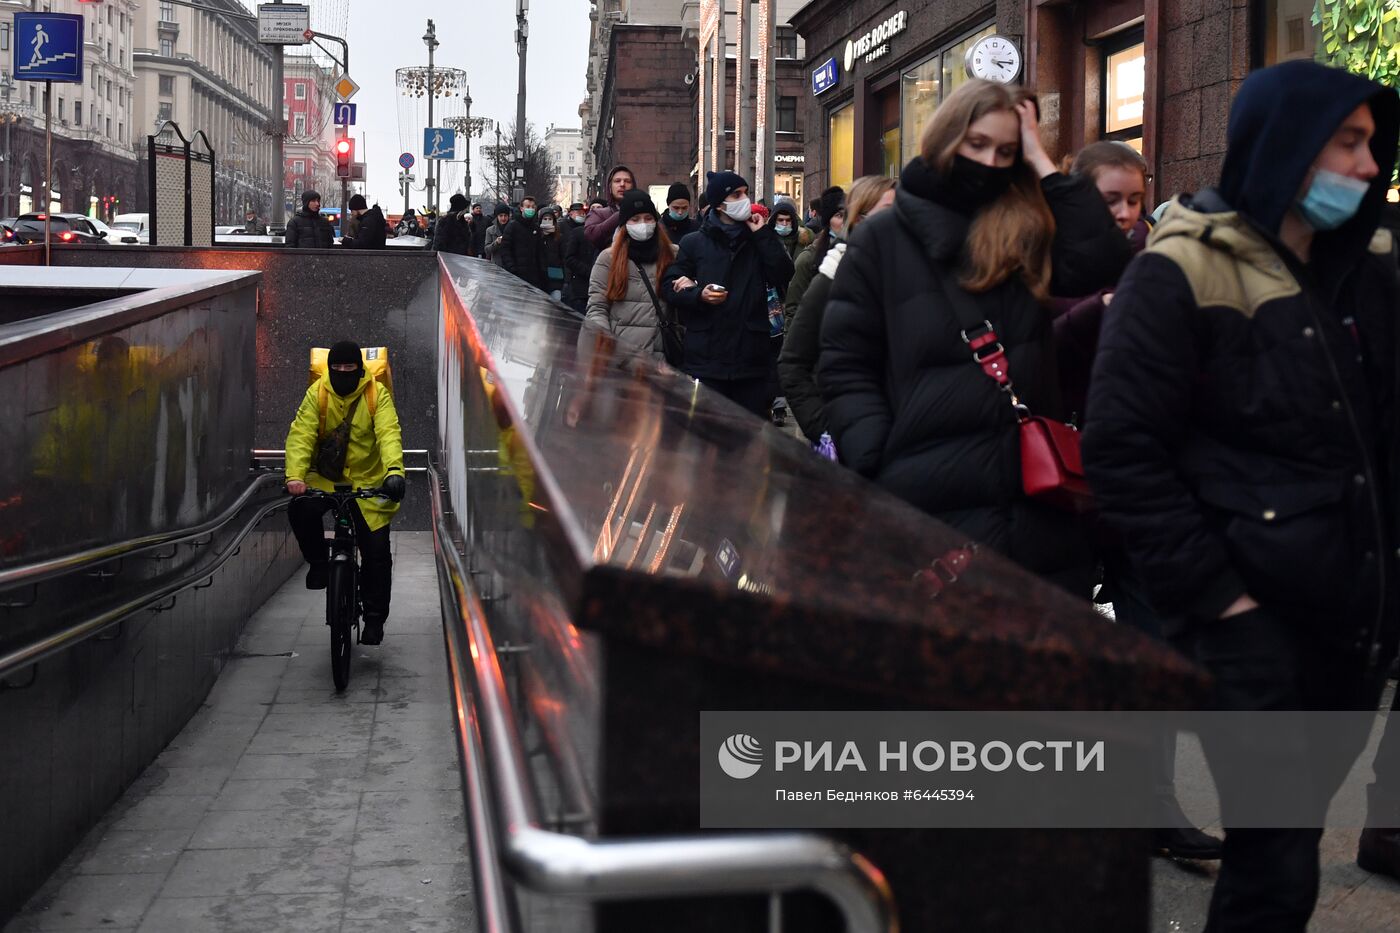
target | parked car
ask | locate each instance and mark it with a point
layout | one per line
(7, 232)
(64, 228)
(115, 237)
(140, 224)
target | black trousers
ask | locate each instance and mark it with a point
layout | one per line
(1269, 878)
(755, 395)
(376, 560)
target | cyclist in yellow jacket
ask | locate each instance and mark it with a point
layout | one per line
(322, 453)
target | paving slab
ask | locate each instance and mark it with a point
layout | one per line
(283, 805)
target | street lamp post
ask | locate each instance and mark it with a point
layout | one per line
(522, 36)
(430, 40)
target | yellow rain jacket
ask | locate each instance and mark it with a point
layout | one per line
(376, 445)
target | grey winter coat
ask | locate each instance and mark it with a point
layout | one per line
(633, 319)
(493, 249)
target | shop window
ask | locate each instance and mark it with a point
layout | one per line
(842, 136)
(887, 105)
(1287, 31)
(787, 114)
(1124, 84)
(924, 87)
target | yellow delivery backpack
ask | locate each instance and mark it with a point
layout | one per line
(376, 364)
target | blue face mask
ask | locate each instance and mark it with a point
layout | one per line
(1331, 200)
(677, 215)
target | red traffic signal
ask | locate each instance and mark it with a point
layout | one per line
(344, 156)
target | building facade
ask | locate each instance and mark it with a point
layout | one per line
(209, 73)
(1158, 75)
(95, 169)
(602, 19)
(309, 157)
(566, 151)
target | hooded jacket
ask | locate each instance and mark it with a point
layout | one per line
(731, 340)
(1242, 414)
(376, 443)
(602, 221)
(904, 401)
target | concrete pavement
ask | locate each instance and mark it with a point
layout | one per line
(282, 806)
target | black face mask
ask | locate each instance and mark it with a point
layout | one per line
(971, 185)
(344, 383)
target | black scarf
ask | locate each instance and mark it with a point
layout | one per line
(966, 187)
(644, 251)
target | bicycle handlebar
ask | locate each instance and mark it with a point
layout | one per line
(313, 493)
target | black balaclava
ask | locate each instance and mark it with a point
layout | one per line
(346, 351)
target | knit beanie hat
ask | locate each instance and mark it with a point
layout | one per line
(357, 203)
(719, 185)
(633, 203)
(678, 191)
(831, 201)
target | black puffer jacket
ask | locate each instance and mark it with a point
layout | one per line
(579, 256)
(371, 234)
(309, 230)
(1243, 412)
(904, 401)
(479, 223)
(730, 340)
(453, 233)
(522, 250)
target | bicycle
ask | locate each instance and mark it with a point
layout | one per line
(343, 578)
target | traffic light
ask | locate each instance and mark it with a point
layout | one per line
(344, 156)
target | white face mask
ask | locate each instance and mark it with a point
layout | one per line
(641, 231)
(739, 210)
(547, 226)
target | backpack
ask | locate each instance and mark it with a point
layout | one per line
(376, 364)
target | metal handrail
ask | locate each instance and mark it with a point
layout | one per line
(58, 566)
(60, 641)
(560, 864)
(271, 454)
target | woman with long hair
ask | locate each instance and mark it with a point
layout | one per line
(1120, 175)
(797, 365)
(625, 286)
(983, 225)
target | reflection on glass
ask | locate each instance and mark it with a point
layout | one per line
(1288, 32)
(923, 88)
(889, 145)
(843, 146)
(1127, 81)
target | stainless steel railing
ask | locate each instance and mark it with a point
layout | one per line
(507, 831)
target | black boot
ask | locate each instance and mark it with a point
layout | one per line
(318, 575)
(372, 632)
(1179, 839)
(1379, 848)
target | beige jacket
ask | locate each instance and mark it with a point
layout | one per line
(633, 319)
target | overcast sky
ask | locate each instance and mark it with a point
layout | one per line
(479, 37)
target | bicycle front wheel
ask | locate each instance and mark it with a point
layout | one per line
(340, 613)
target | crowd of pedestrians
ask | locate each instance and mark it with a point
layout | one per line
(1233, 372)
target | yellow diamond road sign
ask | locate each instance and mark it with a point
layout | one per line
(346, 87)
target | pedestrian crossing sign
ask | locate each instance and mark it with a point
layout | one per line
(48, 47)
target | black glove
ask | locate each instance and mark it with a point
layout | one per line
(395, 486)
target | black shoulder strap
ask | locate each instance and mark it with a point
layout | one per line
(655, 302)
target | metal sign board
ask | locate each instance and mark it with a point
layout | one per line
(345, 87)
(344, 114)
(283, 23)
(825, 77)
(357, 171)
(439, 142)
(48, 47)
(406, 160)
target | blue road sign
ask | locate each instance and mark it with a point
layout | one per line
(439, 143)
(48, 47)
(344, 114)
(406, 161)
(825, 77)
